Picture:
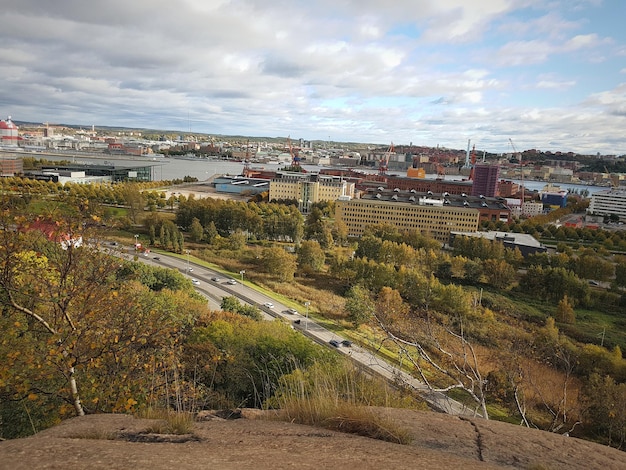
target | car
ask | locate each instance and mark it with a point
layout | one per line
(190, 269)
(334, 342)
(347, 343)
(232, 282)
(215, 279)
(594, 283)
(268, 305)
(292, 311)
(113, 243)
(196, 282)
(156, 258)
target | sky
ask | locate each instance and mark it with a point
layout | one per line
(506, 75)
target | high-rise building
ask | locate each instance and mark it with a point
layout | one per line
(486, 178)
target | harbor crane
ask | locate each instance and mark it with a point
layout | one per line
(383, 163)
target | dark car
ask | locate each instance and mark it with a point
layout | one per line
(347, 343)
(156, 258)
(335, 343)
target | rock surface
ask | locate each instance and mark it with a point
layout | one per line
(440, 442)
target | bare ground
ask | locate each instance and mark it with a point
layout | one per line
(440, 442)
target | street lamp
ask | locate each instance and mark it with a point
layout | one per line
(242, 272)
(187, 251)
(136, 242)
(306, 317)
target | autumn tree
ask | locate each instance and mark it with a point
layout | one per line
(79, 337)
(565, 311)
(277, 262)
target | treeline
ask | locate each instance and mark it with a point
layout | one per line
(86, 332)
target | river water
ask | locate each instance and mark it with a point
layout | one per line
(178, 168)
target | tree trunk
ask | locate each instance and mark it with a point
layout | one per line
(78, 406)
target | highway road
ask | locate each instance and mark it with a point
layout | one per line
(364, 358)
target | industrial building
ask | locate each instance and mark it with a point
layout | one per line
(8, 133)
(107, 172)
(609, 202)
(436, 215)
(240, 185)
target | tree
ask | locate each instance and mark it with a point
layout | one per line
(499, 273)
(279, 263)
(565, 312)
(196, 231)
(311, 256)
(210, 233)
(316, 228)
(232, 304)
(78, 335)
(133, 199)
(439, 354)
(605, 409)
(390, 307)
(360, 306)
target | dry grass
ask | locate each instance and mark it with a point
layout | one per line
(339, 415)
(169, 422)
(341, 399)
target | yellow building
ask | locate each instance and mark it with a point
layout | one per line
(410, 212)
(309, 188)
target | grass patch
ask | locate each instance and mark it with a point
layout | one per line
(169, 422)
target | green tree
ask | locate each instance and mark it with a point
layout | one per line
(196, 231)
(316, 228)
(499, 273)
(605, 410)
(360, 306)
(310, 256)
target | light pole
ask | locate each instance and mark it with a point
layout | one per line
(187, 251)
(136, 242)
(306, 317)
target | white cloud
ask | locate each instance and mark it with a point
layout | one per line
(367, 69)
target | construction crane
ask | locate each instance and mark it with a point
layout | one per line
(383, 163)
(295, 158)
(613, 179)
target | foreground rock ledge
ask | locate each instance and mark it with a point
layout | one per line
(440, 442)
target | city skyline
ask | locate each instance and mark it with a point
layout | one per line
(546, 75)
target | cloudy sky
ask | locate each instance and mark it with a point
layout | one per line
(545, 74)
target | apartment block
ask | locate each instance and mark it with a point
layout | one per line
(610, 202)
(436, 216)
